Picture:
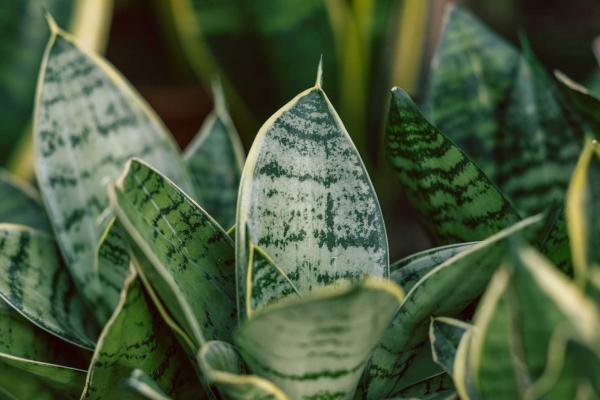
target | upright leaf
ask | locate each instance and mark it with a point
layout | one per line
(33, 282)
(88, 123)
(21, 203)
(445, 335)
(318, 346)
(457, 200)
(191, 257)
(306, 199)
(446, 290)
(585, 106)
(436, 387)
(137, 337)
(223, 367)
(216, 158)
(145, 386)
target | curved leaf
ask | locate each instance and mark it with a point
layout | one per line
(191, 257)
(215, 158)
(88, 123)
(445, 335)
(136, 337)
(457, 200)
(223, 367)
(33, 282)
(319, 345)
(436, 387)
(145, 386)
(446, 290)
(585, 106)
(306, 199)
(21, 203)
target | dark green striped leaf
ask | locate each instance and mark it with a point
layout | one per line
(306, 199)
(445, 335)
(318, 346)
(471, 75)
(36, 358)
(145, 387)
(554, 242)
(409, 270)
(88, 123)
(585, 106)
(191, 257)
(21, 204)
(222, 366)
(215, 158)
(33, 282)
(137, 337)
(457, 200)
(446, 290)
(436, 387)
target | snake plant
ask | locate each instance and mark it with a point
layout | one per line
(141, 272)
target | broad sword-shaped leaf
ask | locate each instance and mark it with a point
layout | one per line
(445, 335)
(146, 387)
(21, 204)
(306, 199)
(88, 122)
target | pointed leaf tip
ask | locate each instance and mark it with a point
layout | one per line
(218, 95)
(52, 25)
(319, 80)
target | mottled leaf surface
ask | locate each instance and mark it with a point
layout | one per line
(471, 75)
(137, 337)
(409, 270)
(318, 346)
(21, 204)
(306, 199)
(444, 291)
(445, 335)
(191, 257)
(436, 387)
(88, 123)
(585, 106)
(34, 283)
(146, 387)
(215, 158)
(222, 366)
(457, 200)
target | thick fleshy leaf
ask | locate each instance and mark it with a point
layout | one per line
(445, 335)
(554, 243)
(306, 199)
(456, 199)
(222, 366)
(215, 158)
(88, 122)
(471, 75)
(191, 257)
(583, 212)
(319, 345)
(145, 387)
(38, 357)
(585, 105)
(436, 387)
(15, 386)
(137, 337)
(409, 270)
(21, 204)
(446, 290)
(33, 282)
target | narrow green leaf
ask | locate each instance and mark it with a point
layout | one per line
(585, 106)
(88, 122)
(409, 270)
(306, 199)
(457, 200)
(445, 335)
(39, 359)
(145, 386)
(215, 158)
(137, 337)
(33, 282)
(436, 387)
(554, 242)
(446, 290)
(191, 257)
(319, 345)
(14, 385)
(21, 204)
(223, 367)
(471, 75)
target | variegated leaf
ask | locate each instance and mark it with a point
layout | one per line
(436, 387)
(585, 106)
(409, 270)
(137, 337)
(306, 199)
(456, 199)
(21, 204)
(33, 282)
(145, 387)
(319, 345)
(222, 366)
(36, 358)
(215, 158)
(446, 290)
(445, 335)
(88, 122)
(191, 257)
